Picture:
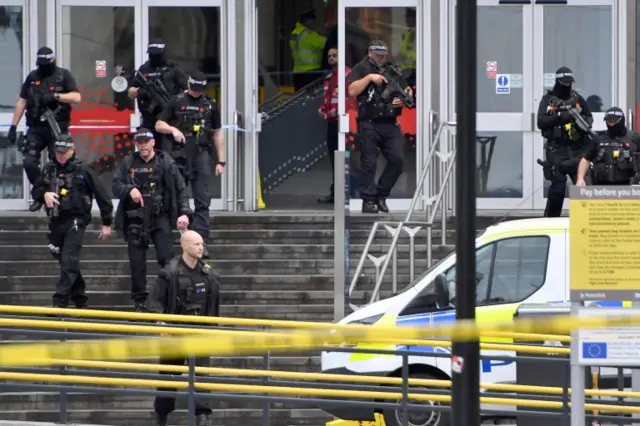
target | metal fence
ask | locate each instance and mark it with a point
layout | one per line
(398, 392)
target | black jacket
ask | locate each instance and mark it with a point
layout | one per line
(175, 197)
(163, 298)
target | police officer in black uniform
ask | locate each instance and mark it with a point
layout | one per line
(378, 126)
(565, 141)
(49, 87)
(192, 119)
(614, 153)
(152, 197)
(186, 286)
(168, 73)
(67, 188)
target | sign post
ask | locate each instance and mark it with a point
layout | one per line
(604, 226)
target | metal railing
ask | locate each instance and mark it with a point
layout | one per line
(440, 178)
(398, 391)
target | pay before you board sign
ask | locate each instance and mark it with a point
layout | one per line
(604, 232)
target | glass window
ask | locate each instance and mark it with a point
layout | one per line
(507, 271)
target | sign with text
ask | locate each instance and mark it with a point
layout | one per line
(604, 227)
(615, 346)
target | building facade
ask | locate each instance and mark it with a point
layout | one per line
(243, 46)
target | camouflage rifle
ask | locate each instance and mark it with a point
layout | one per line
(158, 94)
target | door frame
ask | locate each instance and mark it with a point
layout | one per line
(618, 83)
(228, 62)
(29, 50)
(423, 82)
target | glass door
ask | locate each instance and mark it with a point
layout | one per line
(596, 58)
(505, 114)
(199, 34)
(99, 45)
(405, 25)
(18, 58)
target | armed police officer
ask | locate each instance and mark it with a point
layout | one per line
(67, 187)
(381, 93)
(192, 119)
(154, 84)
(152, 197)
(614, 153)
(565, 120)
(186, 286)
(46, 95)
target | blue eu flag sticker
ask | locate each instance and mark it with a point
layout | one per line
(594, 350)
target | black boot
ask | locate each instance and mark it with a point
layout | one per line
(35, 206)
(161, 420)
(326, 199)
(382, 205)
(141, 305)
(369, 207)
(203, 420)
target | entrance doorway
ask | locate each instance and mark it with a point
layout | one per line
(520, 46)
(104, 45)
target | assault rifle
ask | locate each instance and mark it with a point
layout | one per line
(45, 113)
(158, 94)
(54, 212)
(393, 87)
(581, 122)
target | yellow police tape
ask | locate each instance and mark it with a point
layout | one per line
(228, 343)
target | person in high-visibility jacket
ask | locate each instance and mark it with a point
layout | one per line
(307, 46)
(408, 48)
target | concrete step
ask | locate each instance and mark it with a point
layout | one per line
(19, 253)
(252, 237)
(145, 417)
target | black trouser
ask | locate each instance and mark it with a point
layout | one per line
(163, 405)
(160, 235)
(566, 159)
(38, 139)
(388, 137)
(199, 179)
(67, 235)
(332, 145)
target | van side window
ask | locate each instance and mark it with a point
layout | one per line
(508, 270)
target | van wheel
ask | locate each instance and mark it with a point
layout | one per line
(394, 417)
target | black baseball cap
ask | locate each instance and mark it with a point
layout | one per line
(613, 114)
(379, 47)
(63, 144)
(564, 75)
(143, 135)
(45, 56)
(197, 81)
(155, 47)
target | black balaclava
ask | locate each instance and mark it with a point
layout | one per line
(46, 62)
(156, 53)
(47, 70)
(616, 126)
(564, 80)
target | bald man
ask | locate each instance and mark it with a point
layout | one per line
(185, 286)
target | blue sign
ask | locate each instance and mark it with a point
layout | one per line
(490, 364)
(503, 81)
(503, 84)
(594, 350)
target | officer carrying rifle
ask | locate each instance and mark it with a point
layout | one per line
(46, 95)
(192, 121)
(153, 197)
(565, 120)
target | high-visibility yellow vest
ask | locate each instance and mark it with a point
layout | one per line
(306, 46)
(408, 50)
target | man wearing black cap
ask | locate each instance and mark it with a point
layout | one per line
(49, 87)
(167, 73)
(192, 121)
(378, 126)
(307, 46)
(614, 153)
(153, 197)
(67, 188)
(565, 140)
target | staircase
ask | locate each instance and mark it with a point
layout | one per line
(272, 266)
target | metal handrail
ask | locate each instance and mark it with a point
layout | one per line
(400, 225)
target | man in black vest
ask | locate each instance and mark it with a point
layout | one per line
(153, 198)
(565, 140)
(67, 188)
(186, 286)
(162, 75)
(46, 95)
(614, 153)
